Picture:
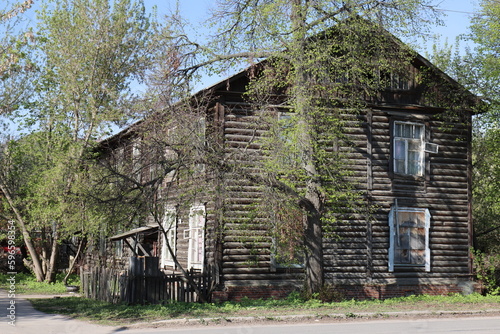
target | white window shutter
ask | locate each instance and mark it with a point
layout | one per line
(391, 238)
(427, 246)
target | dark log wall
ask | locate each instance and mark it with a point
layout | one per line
(360, 255)
(246, 255)
(236, 240)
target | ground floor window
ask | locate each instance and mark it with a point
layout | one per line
(409, 238)
(170, 227)
(287, 237)
(196, 233)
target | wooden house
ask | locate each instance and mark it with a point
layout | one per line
(410, 159)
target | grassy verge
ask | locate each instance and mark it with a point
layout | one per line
(122, 314)
(27, 284)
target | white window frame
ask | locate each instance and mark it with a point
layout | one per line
(136, 163)
(201, 140)
(170, 226)
(406, 142)
(196, 250)
(393, 232)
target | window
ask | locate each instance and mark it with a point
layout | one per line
(200, 144)
(398, 82)
(118, 248)
(409, 238)
(288, 237)
(408, 145)
(286, 255)
(119, 160)
(136, 163)
(196, 230)
(169, 162)
(170, 227)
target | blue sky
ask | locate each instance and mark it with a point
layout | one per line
(457, 12)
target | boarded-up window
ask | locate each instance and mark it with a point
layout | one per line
(409, 238)
(170, 227)
(196, 237)
(408, 148)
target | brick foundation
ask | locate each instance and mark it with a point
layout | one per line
(359, 292)
(391, 291)
(236, 293)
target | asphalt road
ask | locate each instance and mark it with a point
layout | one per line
(17, 316)
(434, 326)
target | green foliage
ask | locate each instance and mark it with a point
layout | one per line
(17, 71)
(479, 71)
(486, 188)
(486, 80)
(485, 32)
(487, 270)
(89, 53)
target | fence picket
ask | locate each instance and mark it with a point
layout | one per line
(111, 285)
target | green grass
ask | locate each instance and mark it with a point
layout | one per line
(27, 284)
(106, 313)
(120, 314)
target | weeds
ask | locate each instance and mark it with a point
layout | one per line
(487, 269)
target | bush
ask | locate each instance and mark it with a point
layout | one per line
(487, 271)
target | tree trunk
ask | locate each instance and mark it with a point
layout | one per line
(313, 240)
(72, 264)
(313, 203)
(50, 274)
(37, 265)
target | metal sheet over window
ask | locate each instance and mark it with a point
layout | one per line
(409, 237)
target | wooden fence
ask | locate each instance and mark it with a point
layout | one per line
(112, 286)
(102, 284)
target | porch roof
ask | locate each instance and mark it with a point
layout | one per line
(140, 230)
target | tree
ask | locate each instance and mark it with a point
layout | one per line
(485, 63)
(90, 51)
(314, 50)
(16, 68)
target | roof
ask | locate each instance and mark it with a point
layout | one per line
(224, 82)
(149, 229)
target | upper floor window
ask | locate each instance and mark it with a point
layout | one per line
(398, 82)
(408, 157)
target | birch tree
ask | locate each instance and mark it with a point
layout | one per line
(90, 51)
(16, 69)
(483, 77)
